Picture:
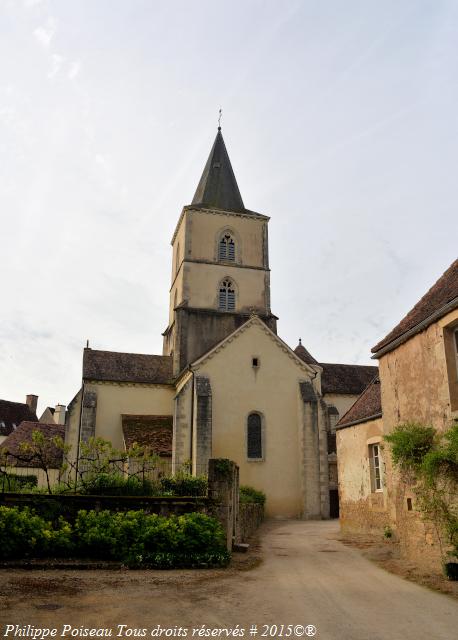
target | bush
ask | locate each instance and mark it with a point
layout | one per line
(184, 484)
(116, 484)
(249, 494)
(429, 460)
(410, 442)
(443, 460)
(23, 533)
(136, 538)
(17, 483)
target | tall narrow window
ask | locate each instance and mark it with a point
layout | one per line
(254, 437)
(226, 248)
(375, 467)
(226, 299)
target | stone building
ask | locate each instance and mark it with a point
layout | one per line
(226, 384)
(418, 382)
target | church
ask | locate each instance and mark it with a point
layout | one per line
(226, 385)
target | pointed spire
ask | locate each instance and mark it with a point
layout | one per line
(218, 186)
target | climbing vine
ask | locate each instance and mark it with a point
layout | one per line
(429, 460)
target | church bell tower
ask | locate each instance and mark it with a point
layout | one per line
(220, 270)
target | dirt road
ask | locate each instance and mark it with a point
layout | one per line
(306, 578)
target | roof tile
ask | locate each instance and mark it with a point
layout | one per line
(367, 406)
(23, 434)
(154, 432)
(126, 367)
(349, 379)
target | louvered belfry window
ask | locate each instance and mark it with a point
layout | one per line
(226, 296)
(227, 248)
(254, 436)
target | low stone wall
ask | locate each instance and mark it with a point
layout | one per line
(250, 517)
(69, 505)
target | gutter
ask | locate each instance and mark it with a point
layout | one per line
(374, 416)
(450, 306)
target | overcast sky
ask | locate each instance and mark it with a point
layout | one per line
(341, 122)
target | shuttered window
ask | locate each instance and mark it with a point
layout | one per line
(226, 250)
(254, 436)
(375, 467)
(226, 298)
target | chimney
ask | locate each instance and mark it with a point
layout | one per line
(59, 414)
(32, 401)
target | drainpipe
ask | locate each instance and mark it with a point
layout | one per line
(79, 432)
(191, 451)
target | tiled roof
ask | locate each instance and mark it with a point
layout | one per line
(303, 354)
(367, 407)
(444, 292)
(347, 379)
(350, 379)
(12, 414)
(24, 434)
(126, 367)
(155, 432)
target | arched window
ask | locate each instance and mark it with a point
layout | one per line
(226, 248)
(226, 299)
(254, 437)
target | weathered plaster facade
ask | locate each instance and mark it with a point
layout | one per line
(361, 508)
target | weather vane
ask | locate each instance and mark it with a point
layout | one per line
(219, 118)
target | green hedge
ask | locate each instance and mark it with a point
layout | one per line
(111, 484)
(133, 538)
(249, 494)
(24, 533)
(183, 484)
(16, 482)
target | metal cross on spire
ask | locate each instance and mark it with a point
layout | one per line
(219, 119)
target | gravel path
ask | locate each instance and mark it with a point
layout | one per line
(306, 578)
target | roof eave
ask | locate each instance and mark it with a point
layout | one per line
(421, 326)
(374, 416)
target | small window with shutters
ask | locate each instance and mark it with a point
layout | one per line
(226, 296)
(254, 437)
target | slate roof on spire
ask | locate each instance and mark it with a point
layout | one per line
(218, 187)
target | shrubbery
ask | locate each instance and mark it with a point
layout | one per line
(23, 533)
(134, 538)
(410, 442)
(116, 484)
(18, 483)
(249, 494)
(183, 484)
(429, 460)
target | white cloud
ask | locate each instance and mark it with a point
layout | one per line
(46, 33)
(56, 64)
(29, 4)
(74, 70)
